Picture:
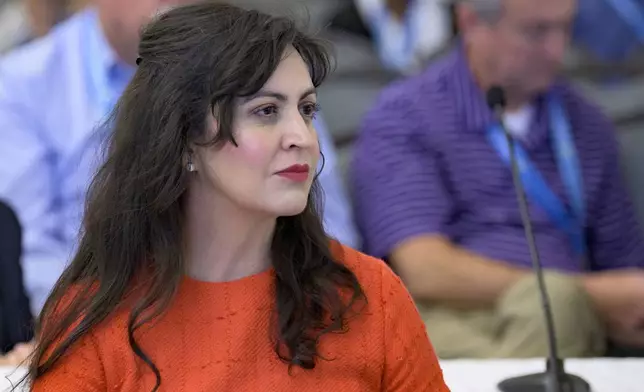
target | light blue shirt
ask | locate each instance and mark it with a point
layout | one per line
(53, 94)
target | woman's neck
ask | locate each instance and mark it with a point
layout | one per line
(224, 243)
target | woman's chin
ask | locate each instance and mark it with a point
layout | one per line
(291, 208)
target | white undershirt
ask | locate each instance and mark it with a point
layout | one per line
(518, 121)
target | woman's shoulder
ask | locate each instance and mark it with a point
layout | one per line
(365, 267)
(374, 275)
(74, 303)
(397, 322)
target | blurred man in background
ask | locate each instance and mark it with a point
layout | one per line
(434, 193)
(54, 94)
(23, 20)
(406, 33)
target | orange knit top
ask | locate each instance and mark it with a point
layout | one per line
(216, 337)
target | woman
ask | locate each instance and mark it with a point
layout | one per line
(203, 265)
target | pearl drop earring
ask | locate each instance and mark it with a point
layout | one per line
(190, 166)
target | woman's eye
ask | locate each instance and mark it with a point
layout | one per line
(310, 110)
(266, 111)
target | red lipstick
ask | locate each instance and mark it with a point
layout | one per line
(297, 173)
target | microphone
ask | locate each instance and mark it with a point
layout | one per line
(555, 378)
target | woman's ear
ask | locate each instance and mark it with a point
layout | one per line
(213, 121)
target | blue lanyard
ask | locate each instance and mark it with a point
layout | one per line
(630, 12)
(571, 221)
(382, 18)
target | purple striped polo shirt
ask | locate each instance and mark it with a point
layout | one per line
(423, 165)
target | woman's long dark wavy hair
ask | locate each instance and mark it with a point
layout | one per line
(194, 61)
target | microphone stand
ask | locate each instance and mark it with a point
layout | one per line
(555, 378)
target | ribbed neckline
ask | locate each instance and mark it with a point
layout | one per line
(238, 287)
(263, 275)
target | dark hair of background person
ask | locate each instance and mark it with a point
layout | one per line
(194, 61)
